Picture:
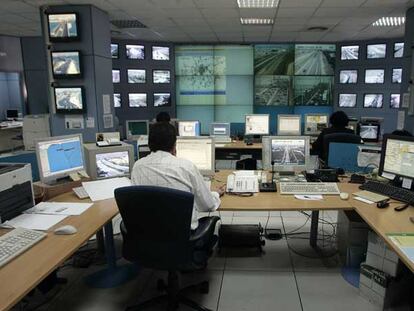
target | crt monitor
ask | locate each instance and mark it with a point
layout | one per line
(110, 161)
(289, 124)
(353, 124)
(315, 123)
(57, 157)
(12, 114)
(257, 124)
(369, 132)
(288, 153)
(136, 128)
(220, 129)
(199, 150)
(397, 157)
(189, 128)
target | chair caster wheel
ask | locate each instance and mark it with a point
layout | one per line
(161, 286)
(204, 288)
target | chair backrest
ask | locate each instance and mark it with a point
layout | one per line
(346, 138)
(158, 225)
(345, 156)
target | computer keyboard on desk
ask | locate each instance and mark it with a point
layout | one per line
(309, 188)
(391, 191)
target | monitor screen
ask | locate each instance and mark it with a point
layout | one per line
(220, 129)
(350, 52)
(376, 50)
(161, 76)
(112, 164)
(114, 50)
(63, 27)
(289, 151)
(200, 151)
(398, 49)
(136, 128)
(373, 100)
(374, 76)
(369, 132)
(12, 113)
(348, 76)
(66, 64)
(397, 157)
(69, 99)
(288, 125)
(59, 156)
(162, 99)
(137, 100)
(315, 123)
(136, 76)
(135, 51)
(347, 100)
(116, 76)
(395, 101)
(397, 75)
(160, 53)
(188, 128)
(257, 124)
(117, 100)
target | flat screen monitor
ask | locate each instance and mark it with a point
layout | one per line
(257, 124)
(162, 99)
(136, 75)
(137, 100)
(114, 50)
(69, 100)
(315, 123)
(117, 100)
(397, 75)
(398, 49)
(66, 64)
(288, 124)
(395, 101)
(348, 76)
(161, 76)
(134, 51)
(116, 76)
(136, 128)
(160, 53)
(220, 129)
(349, 52)
(57, 157)
(12, 114)
(189, 128)
(397, 157)
(63, 27)
(376, 50)
(353, 125)
(200, 151)
(369, 132)
(347, 100)
(373, 76)
(373, 100)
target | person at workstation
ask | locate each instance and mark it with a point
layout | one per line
(163, 117)
(402, 133)
(339, 122)
(162, 168)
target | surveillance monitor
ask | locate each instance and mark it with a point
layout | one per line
(114, 50)
(189, 128)
(66, 64)
(136, 128)
(63, 27)
(160, 53)
(288, 124)
(373, 100)
(69, 100)
(347, 100)
(257, 124)
(200, 151)
(135, 51)
(349, 52)
(162, 99)
(348, 76)
(161, 76)
(369, 132)
(374, 76)
(315, 123)
(137, 100)
(376, 50)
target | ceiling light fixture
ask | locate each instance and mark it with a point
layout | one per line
(257, 21)
(389, 21)
(248, 4)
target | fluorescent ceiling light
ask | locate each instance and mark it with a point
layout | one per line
(389, 21)
(257, 3)
(257, 21)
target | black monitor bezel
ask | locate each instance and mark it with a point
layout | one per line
(71, 111)
(371, 140)
(67, 76)
(63, 39)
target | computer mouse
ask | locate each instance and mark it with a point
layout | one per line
(383, 204)
(65, 230)
(344, 196)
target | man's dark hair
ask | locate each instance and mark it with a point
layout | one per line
(162, 136)
(339, 119)
(163, 117)
(402, 133)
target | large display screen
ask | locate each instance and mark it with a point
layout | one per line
(313, 91)
(274, 59)
(315, 59)
(273, 90)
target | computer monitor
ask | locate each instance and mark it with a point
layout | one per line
(288, 124)
(12, 114)
(256, 124)
(397, 157)
(369, 131)
(220, 129)
(136, 128)
(200, 151)
(110, 161)
(189, 128)
(315, 123)
(353, 124)
(288, 153)
(57, 157)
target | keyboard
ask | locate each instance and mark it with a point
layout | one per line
(391, 191)
(17, 241)
(308, 188)
(81, 193)
(222, 139)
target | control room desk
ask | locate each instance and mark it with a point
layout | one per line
(7, 137)
(237, 149)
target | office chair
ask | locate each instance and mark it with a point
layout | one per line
(347, 138)
(156, 231)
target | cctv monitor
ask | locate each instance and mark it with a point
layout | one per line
(199, 150)
(353, 125)
(257, 124)
(162, 99)
(398, 49)
(288, 124)
(114, 50)
(161, 76)
(137, 100)
(220, 129)
(160, 53)
(376, 50)
(69, 100)
(63, 27)
(349, 52)
(116, 76)
(347, 100)
(66, 64)
(58, 157)
(348, 76)
(12, 114)
(135, 51)
(189, 128)
(395, 100)
(373, 100)
(369, 132)
(136, 128)
(396, 75)
(117, 100)
(315, 123)
(373, 76)
(136, 75)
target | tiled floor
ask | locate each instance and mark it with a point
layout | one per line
(279, 279)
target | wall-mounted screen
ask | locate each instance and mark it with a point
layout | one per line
(160, 53)
(395, 101)
(136, 76)
(313, 91)
(162, 99)
(373, 100)
(137, 100)
(116, 76)
(114, 50)
(315, 59)
(272, 60)
(398, 49)
(272, 90)
(66, 64)
(63, 26)
(349, 52)
(396, 75)
(135, 51)
(376, 51)
(117, 100)
(348, 76)
(69, 99)
(347, 100)
(161, 76)
(373, 76)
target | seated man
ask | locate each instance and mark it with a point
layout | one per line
(163, 117)
(162, 168)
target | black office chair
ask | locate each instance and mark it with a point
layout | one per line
(348, 138)
(156, 230)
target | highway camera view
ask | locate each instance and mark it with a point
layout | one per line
(396, 75)
(116, 78)
(161, 76)
(272, 90)
(312, 91)
(66, 63)
(69, 98)
(398, 49)
(369, 132)
(112, 164)
(313, 60)
(62, 25)
(160, 53)
(376, 50)
(135, 51)
(288, 151)
(117, 100)
(395, 101)
(350, 52)
(162, 99)
(348, 76)
(274, 59)
(136, 76)
(137, 100)
(373, 100)
(347, 100)
(374, 76)
(114, 50)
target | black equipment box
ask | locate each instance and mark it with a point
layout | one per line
(241, 236)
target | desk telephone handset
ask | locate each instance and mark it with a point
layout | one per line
(242, 183)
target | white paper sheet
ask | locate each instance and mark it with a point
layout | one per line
(309, 197)
(34, 221)
(363, 200)
(104, 189)
(59, 208)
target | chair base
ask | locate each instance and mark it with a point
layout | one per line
(112, 277)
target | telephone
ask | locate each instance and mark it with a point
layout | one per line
(242, 183)
(109, 142)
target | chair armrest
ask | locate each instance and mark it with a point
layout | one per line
(206, 226)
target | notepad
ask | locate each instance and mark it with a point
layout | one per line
(34, 221)
(104, 189)
(59, 208)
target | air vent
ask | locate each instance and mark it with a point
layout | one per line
(125, 23)
(318, 28)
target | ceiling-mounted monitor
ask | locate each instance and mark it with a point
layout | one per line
(63, 26)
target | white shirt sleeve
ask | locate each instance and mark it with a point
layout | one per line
(204, 199)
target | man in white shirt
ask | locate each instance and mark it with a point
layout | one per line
(162, 168)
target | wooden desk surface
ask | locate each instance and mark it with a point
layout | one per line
(240, 145)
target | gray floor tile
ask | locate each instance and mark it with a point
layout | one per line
(250, 220)
(258, 290)
(331, 293)
(251, 214)
(294, 214)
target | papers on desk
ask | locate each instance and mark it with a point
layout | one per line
(34, 221)
(104, 189)
(59, 208)
(309, 197)
(405, 242)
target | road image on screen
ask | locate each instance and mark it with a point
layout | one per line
(198, 151)
(350, 52)
(399, 158)
(369, 131)
(112, 164)
(66, 63)
(62, 25)
(288, 152)
(257, 125)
